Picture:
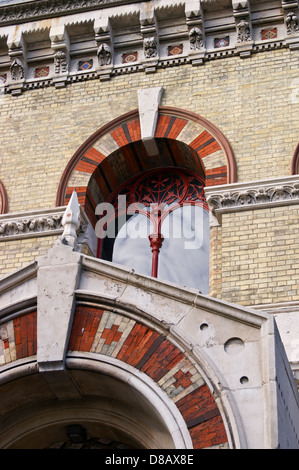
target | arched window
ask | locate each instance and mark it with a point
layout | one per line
(158, 224)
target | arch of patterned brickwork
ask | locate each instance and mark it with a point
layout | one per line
(295, 161)
(3, 199)
(18, 338)
(116, 152)
(138, 345)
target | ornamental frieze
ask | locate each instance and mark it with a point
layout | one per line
(35, 224)
(30, 226)
(49, 8)
(250, 196)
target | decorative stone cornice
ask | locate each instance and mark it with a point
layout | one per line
(204, 30)
(39, 9)
(248, 196)
(36, 224)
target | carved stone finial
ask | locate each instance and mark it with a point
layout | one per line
(104, 54)
(71, 221)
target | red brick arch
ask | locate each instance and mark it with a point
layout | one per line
(3, 199)
(178, 130)
(139, 345)
(134, 343)
(23, 341)
(295, 162)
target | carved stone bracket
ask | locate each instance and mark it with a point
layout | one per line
(60, 62)
(241, 11)
(104, 54)
(291, 19)
(150, 33)
(292, 23)
(150, 47)
(248, 196)
(196, 32)
(196, 38)
(105, 49)
(243, 30)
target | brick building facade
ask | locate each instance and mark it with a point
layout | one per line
(96, 98)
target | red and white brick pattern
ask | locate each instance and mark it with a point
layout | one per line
(130, 341)
(100, 171)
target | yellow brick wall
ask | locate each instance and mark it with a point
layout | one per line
(248, 100)
(15, 254)
(259, 256)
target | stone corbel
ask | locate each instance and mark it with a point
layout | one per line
(150, 33)
(291, 19)
(60, 44)
(196, 32)
(105, 49)
(17, 50)
(241, 12)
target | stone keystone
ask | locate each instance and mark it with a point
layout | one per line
(148, 103)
